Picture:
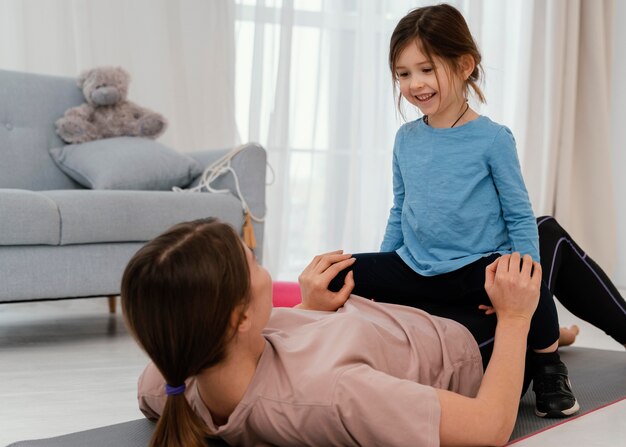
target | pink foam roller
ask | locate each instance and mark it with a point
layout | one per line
(286, 294)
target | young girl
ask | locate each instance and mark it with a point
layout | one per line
(459, 197)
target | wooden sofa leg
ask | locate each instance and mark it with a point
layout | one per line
(112, 303)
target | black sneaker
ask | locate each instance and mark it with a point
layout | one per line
(553, 392)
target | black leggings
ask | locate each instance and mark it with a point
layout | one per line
(573, 277)
(578, 282)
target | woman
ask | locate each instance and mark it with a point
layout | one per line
(337, 370)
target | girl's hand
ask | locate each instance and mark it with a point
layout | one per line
(567, 335)
(315, 278)
(489, 310)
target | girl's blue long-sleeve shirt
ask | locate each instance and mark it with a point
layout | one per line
(459, 195)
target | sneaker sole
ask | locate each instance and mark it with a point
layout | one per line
(559, 414)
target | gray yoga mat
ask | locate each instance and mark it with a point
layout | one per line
(598, 378)
(135, 433)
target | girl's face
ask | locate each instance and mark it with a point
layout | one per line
(435, 90)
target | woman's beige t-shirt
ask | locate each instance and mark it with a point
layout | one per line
(364, 375)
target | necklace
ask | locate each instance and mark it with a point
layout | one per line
(457, 120)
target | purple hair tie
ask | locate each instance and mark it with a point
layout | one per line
(174, 390)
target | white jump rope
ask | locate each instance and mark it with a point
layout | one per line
(223, 166)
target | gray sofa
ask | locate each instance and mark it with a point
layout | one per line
(59, 239)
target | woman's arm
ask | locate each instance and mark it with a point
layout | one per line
(315, 278)
(489, 418)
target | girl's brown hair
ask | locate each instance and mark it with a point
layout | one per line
(441, 31)
(178, 295)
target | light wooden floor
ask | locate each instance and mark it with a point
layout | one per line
(68, 365)
(65, 366)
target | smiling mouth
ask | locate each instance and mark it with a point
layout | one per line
(424, 98)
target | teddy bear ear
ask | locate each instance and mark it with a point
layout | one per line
(83, 77)
(123, 74)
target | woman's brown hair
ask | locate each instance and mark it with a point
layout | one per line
(440, 31)
(178, 295)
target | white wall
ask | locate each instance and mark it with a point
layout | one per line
(618, 135)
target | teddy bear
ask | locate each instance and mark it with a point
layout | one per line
(107, 112)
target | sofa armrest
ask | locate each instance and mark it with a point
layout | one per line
(250, 166)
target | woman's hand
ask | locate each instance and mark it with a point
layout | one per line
(315, 278)
(513, 291)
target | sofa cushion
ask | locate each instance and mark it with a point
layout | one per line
(50, 271)
(123, 216)
(28, 218)
(126, 163)
(29, 106)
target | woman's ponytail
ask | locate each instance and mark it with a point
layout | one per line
(179, 426)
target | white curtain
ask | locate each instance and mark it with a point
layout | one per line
(309, 80)
(314, 87)
(618, 136)
(585, 199)
(566, 126)
(180, 55)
